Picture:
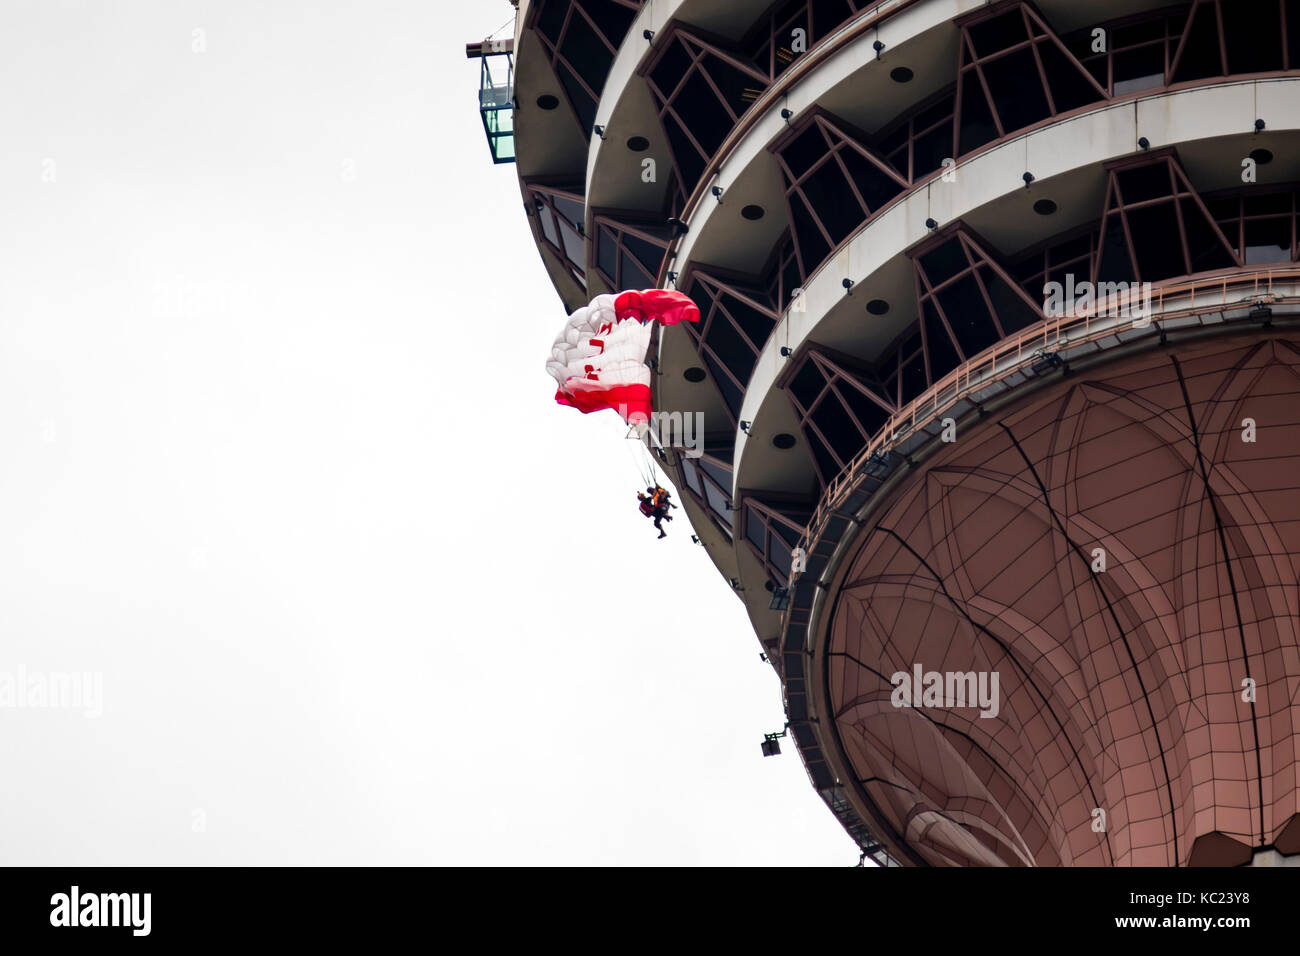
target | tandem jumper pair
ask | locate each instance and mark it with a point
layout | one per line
(655, 504)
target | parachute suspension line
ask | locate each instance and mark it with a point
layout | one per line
(643, 462)
(651, 473)
(652, 443)
(644, 456)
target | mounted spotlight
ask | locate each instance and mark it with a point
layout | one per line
(931, 224)
(1028, 178)
(785, 351)
(1259, 126)
(879, 48)
(717, 194)
(786, 114)
(1045, 362)
(1144, 143)
(695, 539)
(1261, 313)
(735, 584)
(880, 464)
(677, 226)
(771, 742)
(744, 427)
(599, 130)
(672, 278)
(648, 34)
(848, 285)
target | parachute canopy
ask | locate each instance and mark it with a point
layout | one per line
(598, 359)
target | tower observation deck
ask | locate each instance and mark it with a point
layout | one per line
(999, 364)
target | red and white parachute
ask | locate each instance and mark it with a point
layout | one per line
(598, 359)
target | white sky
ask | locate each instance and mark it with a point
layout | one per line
(278, 459)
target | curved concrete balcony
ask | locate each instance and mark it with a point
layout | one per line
(989, 195)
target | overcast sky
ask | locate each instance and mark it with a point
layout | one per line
(281, 469)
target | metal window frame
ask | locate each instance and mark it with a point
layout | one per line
(620, 223)
(763, 503)
(555, 57)
(1115, 205)
(675, 32)
(767, 31)
(838, 370)
(1169, 41)
(706, 479)
(969, 60)
(1241, 218)
(909, 119)
(1034, 282)
(1225, 67)
(542, 195)
(977, 257)
(838, 136)
(721, 282)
